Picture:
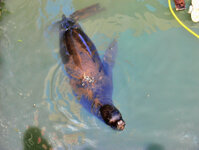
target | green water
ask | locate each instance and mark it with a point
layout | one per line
(156, 77)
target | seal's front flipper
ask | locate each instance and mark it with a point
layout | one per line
(86, 12)
(110, 54)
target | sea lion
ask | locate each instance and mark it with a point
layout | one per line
(90, 77)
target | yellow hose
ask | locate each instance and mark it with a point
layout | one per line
(180, 22)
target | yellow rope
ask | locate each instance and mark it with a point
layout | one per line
(180, 22)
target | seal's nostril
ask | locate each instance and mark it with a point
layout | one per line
(120, 125)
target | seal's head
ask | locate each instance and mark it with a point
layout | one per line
(112, 117)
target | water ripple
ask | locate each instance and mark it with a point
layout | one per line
(64, 110)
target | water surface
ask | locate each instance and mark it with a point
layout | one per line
(155, 77)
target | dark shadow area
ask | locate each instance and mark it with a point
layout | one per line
(33, 140)
(154, 146)
(87, 148)
(3, 10)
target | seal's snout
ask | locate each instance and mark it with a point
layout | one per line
(120, 125)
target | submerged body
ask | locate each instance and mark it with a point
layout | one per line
(90, 78)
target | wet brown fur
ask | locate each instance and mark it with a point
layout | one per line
(80, 64)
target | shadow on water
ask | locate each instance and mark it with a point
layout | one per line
(154, 146)
(3, 10)
(87, 148)
(34, 140)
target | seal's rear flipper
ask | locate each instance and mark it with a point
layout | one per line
(110, 54)
(86, 12)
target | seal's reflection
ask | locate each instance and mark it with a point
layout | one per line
(33, 140)
(154, 146)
